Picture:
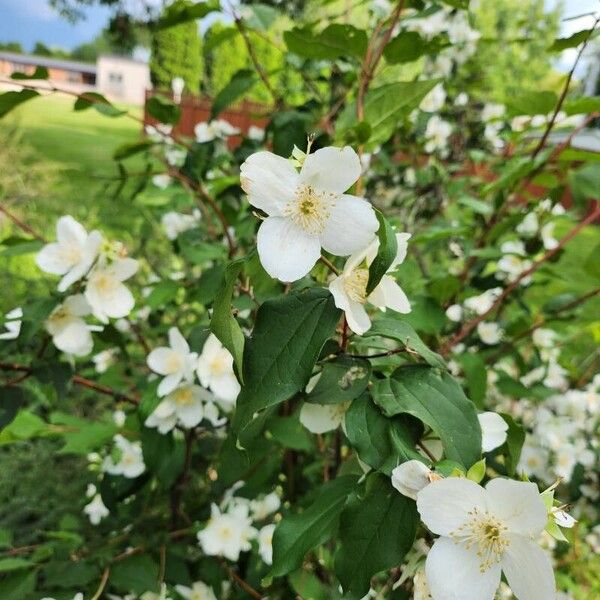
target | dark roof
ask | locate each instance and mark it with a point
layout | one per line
(48, 62)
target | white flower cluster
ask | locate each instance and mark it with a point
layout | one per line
(218, 129)
(175, 223)
(173, 152)
(230, 529)
(185, 403)
(78, 255)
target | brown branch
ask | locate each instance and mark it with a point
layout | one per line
(564, 92)
(21, 224)
(329, 265)
(468, 327)
(243, 584)
(102, 585)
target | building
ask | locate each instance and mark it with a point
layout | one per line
(119, 79)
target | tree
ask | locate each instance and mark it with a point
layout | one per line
(11, 47)
(177, 52)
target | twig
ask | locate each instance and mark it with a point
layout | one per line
(21, 224)
(243, 584)
(329, 265)
(102, 584)
(468, 327)
(427, 451)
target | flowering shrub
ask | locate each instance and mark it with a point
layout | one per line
(349, 366)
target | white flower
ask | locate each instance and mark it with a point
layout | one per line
(459, 30)
(544, 338)
(227, 534)
(454, 312)
(529, 225)
(462, 99)
(437, 133)
(489, 333)
(95, 510)
(175, 362)
(159, 133)
(161, 181)
(434, 100)
(175, 156)
(90, 490)
(198, 591)
(548, 239)
(321, 418)
(307, 210)
(485, 531)
(175, 223)
(563, 518)
(103, 360)
(131, 460)
(70, 333)
(72, 254)
(411, 477)
(119, 417)
(105, 291)
(13, 324)
(265, 543)
(533, 461)
(215, 372)
(184, 405)
(218, 129)
(556, 377)
(511, 267)
(410, 176)
(520, 123)
(513, 247)
(256, 133)
(261, 509)
(482, 303)
(492, 112)
(493, 430)
(349, 289)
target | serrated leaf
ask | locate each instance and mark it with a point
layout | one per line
(437, 400)
(297, 534)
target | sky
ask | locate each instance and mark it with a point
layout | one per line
(29, 21)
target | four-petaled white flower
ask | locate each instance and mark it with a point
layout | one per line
(493, 430)
(183, 406)
(215, 372)
(96, 510)
(307, 210)
(411, 477)
(72, 254)
(227, 533)
(265, 543)
(198, 591)
(130, 462)
(105, 291)
(349, 289)
(12, 324)
(485, 531)
(70, 333)
(175, 362)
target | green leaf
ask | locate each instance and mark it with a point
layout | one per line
(572, 41)
(297, 534)
(10, 100)
(290, 433)
(438, 401)
(309, 587)
(532, 102)
(401, 331)
(162, 293)
(18, 585)
(341, 380)
(215, 39)
(377, 529)
(279, 357)
(477, 471)
(14, 564)
(335, 41)
(13, 398)
(39, 73)
(585, 182)
(240, 82)
(138, 573)
(582, 105)
(405, 47)
(385, 107)
(381, 442)
(163, 455)
(223, 324)
(163, 110)
(82, 436)
(126, 150)
(515, 438)
(261, 16)
(181, 11)
(386, 254)
(476, 376)
(98, 102)
(17, 246)
(26, 425)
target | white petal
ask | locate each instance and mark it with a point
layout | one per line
(69, 231)
(356, 315)
(320, 418)
(411, 477)
(51, 259)
(178, 342)
(120, 303)
(331, 169)
(190, 416)
(161, 360)
(453, 573)
(169, 383)
(286, 251)
(518, 504)
(74, 339)
(123, 268)
(225, 387)
(388, 294)
(77, 305)
(493, 430)
(444, 504)
(528, 570)
(269, 180)
(402, 243)
(350, 227)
